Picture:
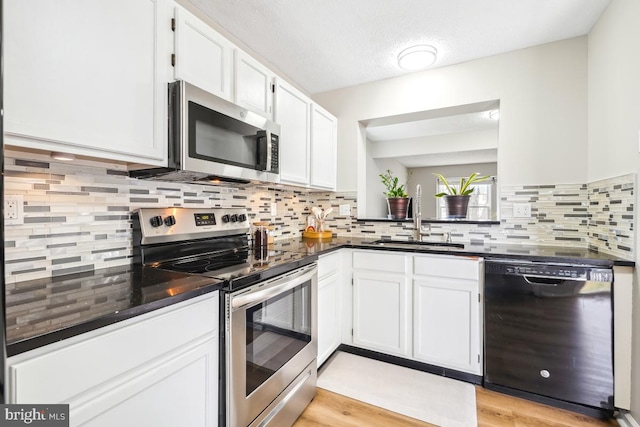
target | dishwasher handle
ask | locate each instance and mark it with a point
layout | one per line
(550, 281)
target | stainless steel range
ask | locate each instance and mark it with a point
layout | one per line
(270, 332)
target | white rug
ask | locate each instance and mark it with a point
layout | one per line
(426, 397)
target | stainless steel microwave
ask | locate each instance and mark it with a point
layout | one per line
(212, 140)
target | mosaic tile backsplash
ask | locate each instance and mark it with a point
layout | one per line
(77, 215)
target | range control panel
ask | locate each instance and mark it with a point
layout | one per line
(158, 225)
(204, 219)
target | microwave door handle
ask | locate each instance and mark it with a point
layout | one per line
(263, 151)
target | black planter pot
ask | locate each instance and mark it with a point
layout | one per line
(457, 206)
(398, 207)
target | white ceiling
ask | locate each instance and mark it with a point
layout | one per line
(328, 44)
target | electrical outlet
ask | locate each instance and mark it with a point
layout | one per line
(274, 209)
(522, 210)
(345, 210)
(13, 209)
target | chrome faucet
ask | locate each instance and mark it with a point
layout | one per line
(417, 211)
(417, 216)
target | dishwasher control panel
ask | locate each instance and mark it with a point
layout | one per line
(556, 271)
(567, 272)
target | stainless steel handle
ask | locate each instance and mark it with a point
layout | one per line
(272, 288)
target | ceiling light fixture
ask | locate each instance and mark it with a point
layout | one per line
(62, 156)
(417, 57)
(494, 114)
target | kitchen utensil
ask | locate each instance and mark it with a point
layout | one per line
(317, 212)
(326, 213)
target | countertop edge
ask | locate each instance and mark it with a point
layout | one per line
(33, 343)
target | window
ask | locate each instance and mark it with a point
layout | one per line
(481, 204)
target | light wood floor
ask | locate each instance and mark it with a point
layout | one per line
(494, 410)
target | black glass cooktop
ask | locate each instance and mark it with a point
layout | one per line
(240, 267)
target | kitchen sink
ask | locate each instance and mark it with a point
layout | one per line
(383, 242)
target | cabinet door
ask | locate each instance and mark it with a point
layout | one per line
(253, 84)
(87, 78)
(292, 112)
(328, 317)
(181, 391)
(323, 148)
(203, 57)
(162, 366)
(381, 312)
(446, 323)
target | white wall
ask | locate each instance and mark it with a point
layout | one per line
(614, 123)
(432, 144)
(376, 202)
(543, 112)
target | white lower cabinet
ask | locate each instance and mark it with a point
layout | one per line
(158, 369)
(381, 312)
(329, 287)
(422, 307)
(445, 329)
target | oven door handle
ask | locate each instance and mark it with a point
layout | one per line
(273, 288)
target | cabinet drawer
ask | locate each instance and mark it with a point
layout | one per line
(103, 356)
(379, 261)
(446, 266)
(328, 265)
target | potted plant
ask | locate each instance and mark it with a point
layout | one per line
(457, 197)
(397, 197)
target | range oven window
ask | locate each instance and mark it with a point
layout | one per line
(216, 137)
(276, 330)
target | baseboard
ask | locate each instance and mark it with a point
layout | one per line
(626, 420)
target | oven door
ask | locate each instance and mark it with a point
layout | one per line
(272, 339)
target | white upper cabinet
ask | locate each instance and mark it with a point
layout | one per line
(292, 112)
(87, 78)
(253, 85)
(324, 134)
(202, 56)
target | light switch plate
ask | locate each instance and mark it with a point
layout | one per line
(13, 209)
(274, 209)
(345, 210)
(522, 210)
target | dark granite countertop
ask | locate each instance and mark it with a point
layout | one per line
(555, 254)
(43, 311)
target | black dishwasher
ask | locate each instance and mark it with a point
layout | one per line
(548, 332)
